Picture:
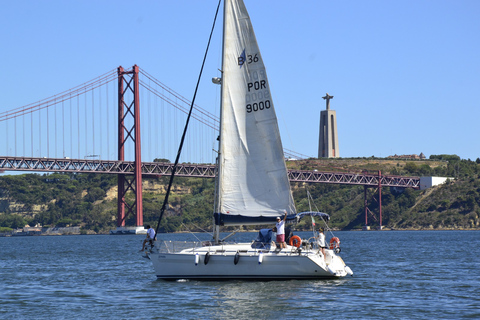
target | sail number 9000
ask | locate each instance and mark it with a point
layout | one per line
(256, 106)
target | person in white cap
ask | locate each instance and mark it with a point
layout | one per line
(321, 241)
(280, 225)
(150, 237)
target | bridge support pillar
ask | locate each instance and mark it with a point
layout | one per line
(379, 188)
(129, 130)
(380, 197)
(365, 207)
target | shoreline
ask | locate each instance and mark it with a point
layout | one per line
(6, 234)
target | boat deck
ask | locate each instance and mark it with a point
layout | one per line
(191, 247)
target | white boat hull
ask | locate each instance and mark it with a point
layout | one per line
(252, 186)
(251, 264)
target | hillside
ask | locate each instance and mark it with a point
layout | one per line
(387, 166)
(89, 200)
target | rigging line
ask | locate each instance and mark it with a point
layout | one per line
(311, 200)
(165, 201)
(195, 225)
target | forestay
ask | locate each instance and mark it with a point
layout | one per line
(253, 183)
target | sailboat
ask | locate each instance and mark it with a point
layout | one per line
(252, 186)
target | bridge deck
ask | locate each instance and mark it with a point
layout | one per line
(193, 170)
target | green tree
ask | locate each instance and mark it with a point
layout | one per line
(13, 221)
(94, 194)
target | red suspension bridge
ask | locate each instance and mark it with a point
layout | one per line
(75, 131)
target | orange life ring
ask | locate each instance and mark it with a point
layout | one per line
(296, 241)
(334, 243)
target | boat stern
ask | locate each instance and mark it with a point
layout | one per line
(338, 268)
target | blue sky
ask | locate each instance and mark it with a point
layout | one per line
(405, 75)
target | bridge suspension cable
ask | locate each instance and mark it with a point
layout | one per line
(60, 97)
(210, 121)
(81, 122)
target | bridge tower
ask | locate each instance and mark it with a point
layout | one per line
(129, 130)
(379, 201)
(328, 140)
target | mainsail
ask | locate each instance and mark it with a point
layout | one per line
(253, 185)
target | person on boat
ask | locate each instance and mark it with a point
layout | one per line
(321, 241)
(280, 225)
(150, 237)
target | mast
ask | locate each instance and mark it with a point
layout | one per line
(216, 232)
(253, 182)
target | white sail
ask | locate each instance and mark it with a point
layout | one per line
(253, 182)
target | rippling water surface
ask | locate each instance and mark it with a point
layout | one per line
(397, 274)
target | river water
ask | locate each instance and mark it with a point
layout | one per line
(397, 275)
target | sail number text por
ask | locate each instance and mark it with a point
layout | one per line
(258, 99)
